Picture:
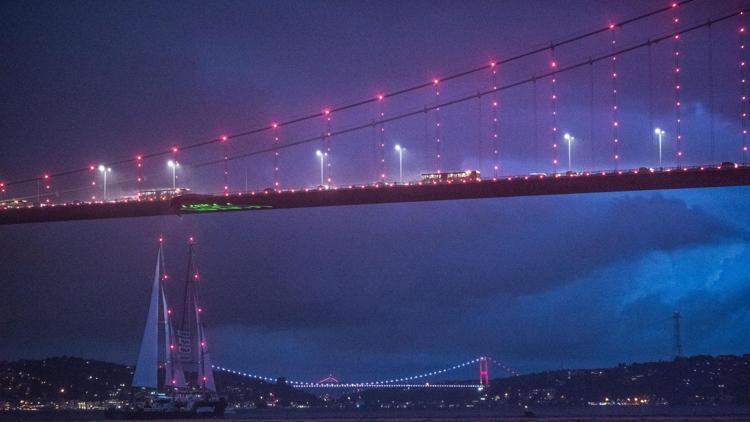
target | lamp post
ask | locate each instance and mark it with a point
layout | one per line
(570, 140)
(173, 165)
(400, 162)
(322, 156)
(659, 133)
(104, 170)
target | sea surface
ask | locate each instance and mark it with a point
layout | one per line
(615, 414)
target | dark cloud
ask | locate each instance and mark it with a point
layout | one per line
(407, 286)
(365, 279)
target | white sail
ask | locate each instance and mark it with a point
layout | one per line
(206, 372)
(145, 369)
(173, 375)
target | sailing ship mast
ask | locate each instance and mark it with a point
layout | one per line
(147, 366)
(191, 337)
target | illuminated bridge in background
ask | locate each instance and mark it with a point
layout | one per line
(83, 193)
(413, 381)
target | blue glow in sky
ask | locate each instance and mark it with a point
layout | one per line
(371, 291)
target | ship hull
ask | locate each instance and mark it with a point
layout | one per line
(204, 409)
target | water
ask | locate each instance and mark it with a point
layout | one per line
(619, 414)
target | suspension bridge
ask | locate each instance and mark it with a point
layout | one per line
(413, 381)
(364, 139)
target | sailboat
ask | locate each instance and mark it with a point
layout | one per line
(187, 388)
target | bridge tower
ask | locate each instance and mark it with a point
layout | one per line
(484, 370)
(677, 346)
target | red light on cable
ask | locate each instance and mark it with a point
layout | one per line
(326, 112)
(274, 125)
(174, 149)
(223, 138)
(380, 97)
(611, 26)
(435, 81)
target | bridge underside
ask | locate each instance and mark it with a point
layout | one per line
(363, 195)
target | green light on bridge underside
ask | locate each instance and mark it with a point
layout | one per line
(214, 207)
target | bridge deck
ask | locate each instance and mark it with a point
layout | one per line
(363, 195)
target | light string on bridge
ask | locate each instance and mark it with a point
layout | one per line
(92, 171)
(495, 134)
(362, 383)
(615, 121)
(504, 367)
(742, 31)
(711, 100)
(402, 91)
(380, 140)
(47, 184)
(438, 146)
(592, 144)
(327, 146)
(139, 172)
(535, 107)
(530, 80)
(276, 143)
(225, 144)
(553, 106)
(650, 71)
(677, 87)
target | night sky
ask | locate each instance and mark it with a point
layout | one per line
(370, 292)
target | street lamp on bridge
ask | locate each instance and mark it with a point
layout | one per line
(400, 162)
(659, 133)
(570, 140)
(322, 156)
(104, 170)
(173, 165)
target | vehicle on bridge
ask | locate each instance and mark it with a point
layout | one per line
(161, 194)
(14, 203)
(452, 176)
